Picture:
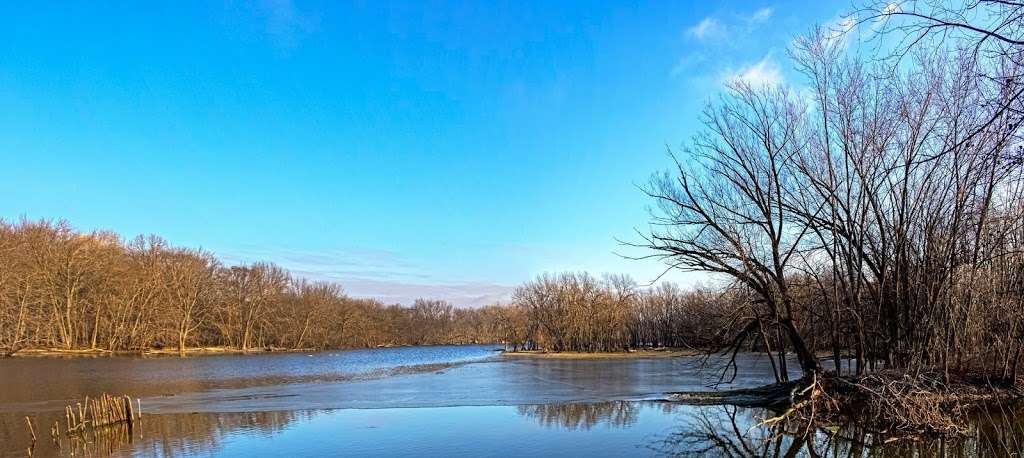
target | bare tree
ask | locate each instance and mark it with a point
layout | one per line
(727, 207)
(188, 281)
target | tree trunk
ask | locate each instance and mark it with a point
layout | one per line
(808, 363)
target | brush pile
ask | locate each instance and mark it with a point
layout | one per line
(897, 404)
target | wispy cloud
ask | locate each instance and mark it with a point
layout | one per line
(724, 36)
(760, 16)
(765, 72)
(461, 294)
(706, 28)
(712, 28)
(356, 260)
(374, 273)
(837, 32)
(685, 63)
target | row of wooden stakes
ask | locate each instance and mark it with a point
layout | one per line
(97, 412)
(94, 414)
(102, 411)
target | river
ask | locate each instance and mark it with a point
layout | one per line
(434, 401)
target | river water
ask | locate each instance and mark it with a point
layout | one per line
(418, 401)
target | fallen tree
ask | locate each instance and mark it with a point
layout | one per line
(886, 402)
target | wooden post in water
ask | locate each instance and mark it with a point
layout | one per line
(31, 430)
(128, 413)
(106, 409)
(131, 408)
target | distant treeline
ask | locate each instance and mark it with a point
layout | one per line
(63, 289)
(579, 312)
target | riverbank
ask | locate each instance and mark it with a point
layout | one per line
(659, 353)
(897, 404)
(65, 353)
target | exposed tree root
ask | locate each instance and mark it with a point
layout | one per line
(889, 403)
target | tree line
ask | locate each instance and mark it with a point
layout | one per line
(575, 311)
(63, 289)
(68, 290)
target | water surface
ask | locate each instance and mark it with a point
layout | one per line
(433, 401)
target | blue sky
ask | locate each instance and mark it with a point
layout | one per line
(436, 149)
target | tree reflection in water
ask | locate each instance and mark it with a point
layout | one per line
(168, 435)
(198, 434)
(660, 428)
(575, 416)
(738, 432)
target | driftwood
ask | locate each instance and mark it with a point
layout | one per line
(774, 396)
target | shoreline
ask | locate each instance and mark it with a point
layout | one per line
(94, 353)
(637, 354)
(191, 351)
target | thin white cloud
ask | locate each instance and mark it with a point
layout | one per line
(710, 27)
(465, 294)
(765, 72)
(887, 13)
(760, 16)
(838, 31)
(373, 273)
(685, 63)
(733, 32)
(706, 28)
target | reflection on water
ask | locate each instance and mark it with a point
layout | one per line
(384, 378)
(204, 434)
(32, 379)
(738, 432)
(449, 401)
(620, 414)
(730, 431)
(168, 435)
(578, 429)
(94, 442)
